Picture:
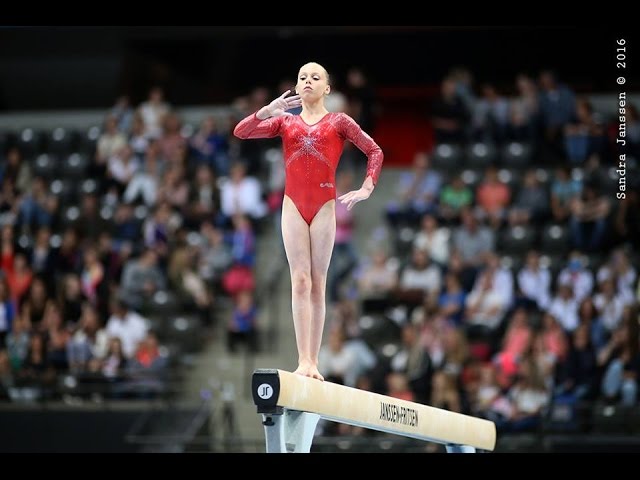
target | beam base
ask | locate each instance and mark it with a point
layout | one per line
(460, 449)
(290, 431)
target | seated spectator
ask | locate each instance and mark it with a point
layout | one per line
(577, 276)
(502, 277)
(452, 300)
(379, 277)
(419, 278)
(18, 274)
(110, 142)
(57, 335)
(485, 307)
(186, 281)
(128, 326)
(174, 188)
(444, 393)
(123, 113)
(564, 307)
(114, 364)
(610, 305)
(489, 401)
(92, 276)
(41, 255)
(90, 223)
(557, 108)
(8, 203)
(146, 180)
(142, 278)
(214, 253)
(449, 115)
(17, 340)
(243, 242)
(417, 194)
(531, 204)
(126, 228)
(412, 360)
(433, 240)
(138, 140)
(210, 147)
(16, 172)
(204, 199)
(454, 198)
(456, 351)
(553, 337)
(584, 136)
(534, 282)
(36, 372)
(398, 387)
(342, 360)
(153, 111)
(121, 168)
(588, 221)
(171, 140)
(577, 373)
(241, 194)
(490, 116)
(528, 396)
(472, 240)
(621, 363)
(35, 302)
(89, 342)
(158, 228)
(466, 273)
(72, 298)
(147, 370)
(7, 308)
(620, 269)
(242, 326)
(516, 342)
(564, 191)
(524, 110)
(493, 197)
(37, 206)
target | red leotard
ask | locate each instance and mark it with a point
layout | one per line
(312, 153)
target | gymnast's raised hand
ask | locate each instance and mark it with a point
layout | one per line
(279, 106)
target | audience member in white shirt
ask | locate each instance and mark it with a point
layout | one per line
(534, 281)
(434, 240)
(577, 276)
(128, 326)
(242, 194)
(564, 307)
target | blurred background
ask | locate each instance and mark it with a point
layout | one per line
(493, 272)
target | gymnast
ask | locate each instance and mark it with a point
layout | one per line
(312, 146)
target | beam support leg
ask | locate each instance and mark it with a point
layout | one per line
(460, 449)
(290, 431)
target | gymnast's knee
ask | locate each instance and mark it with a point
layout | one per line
(301, 282)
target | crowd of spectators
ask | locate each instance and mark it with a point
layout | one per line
(108, 235)
(506, 279)
(500, 285)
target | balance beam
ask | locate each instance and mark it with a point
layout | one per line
(291, 406)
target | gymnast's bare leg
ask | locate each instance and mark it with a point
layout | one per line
(308, 250)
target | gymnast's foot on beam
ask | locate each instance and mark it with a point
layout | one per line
(309, 370)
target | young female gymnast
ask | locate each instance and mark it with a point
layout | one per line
(312, 146)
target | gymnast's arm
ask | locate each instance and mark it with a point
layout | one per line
(267, 122)
(352, 132)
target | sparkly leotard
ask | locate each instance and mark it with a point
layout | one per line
(312, 153)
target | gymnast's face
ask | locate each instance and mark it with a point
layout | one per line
(313, 82)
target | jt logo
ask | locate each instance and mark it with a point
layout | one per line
(265, 391)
